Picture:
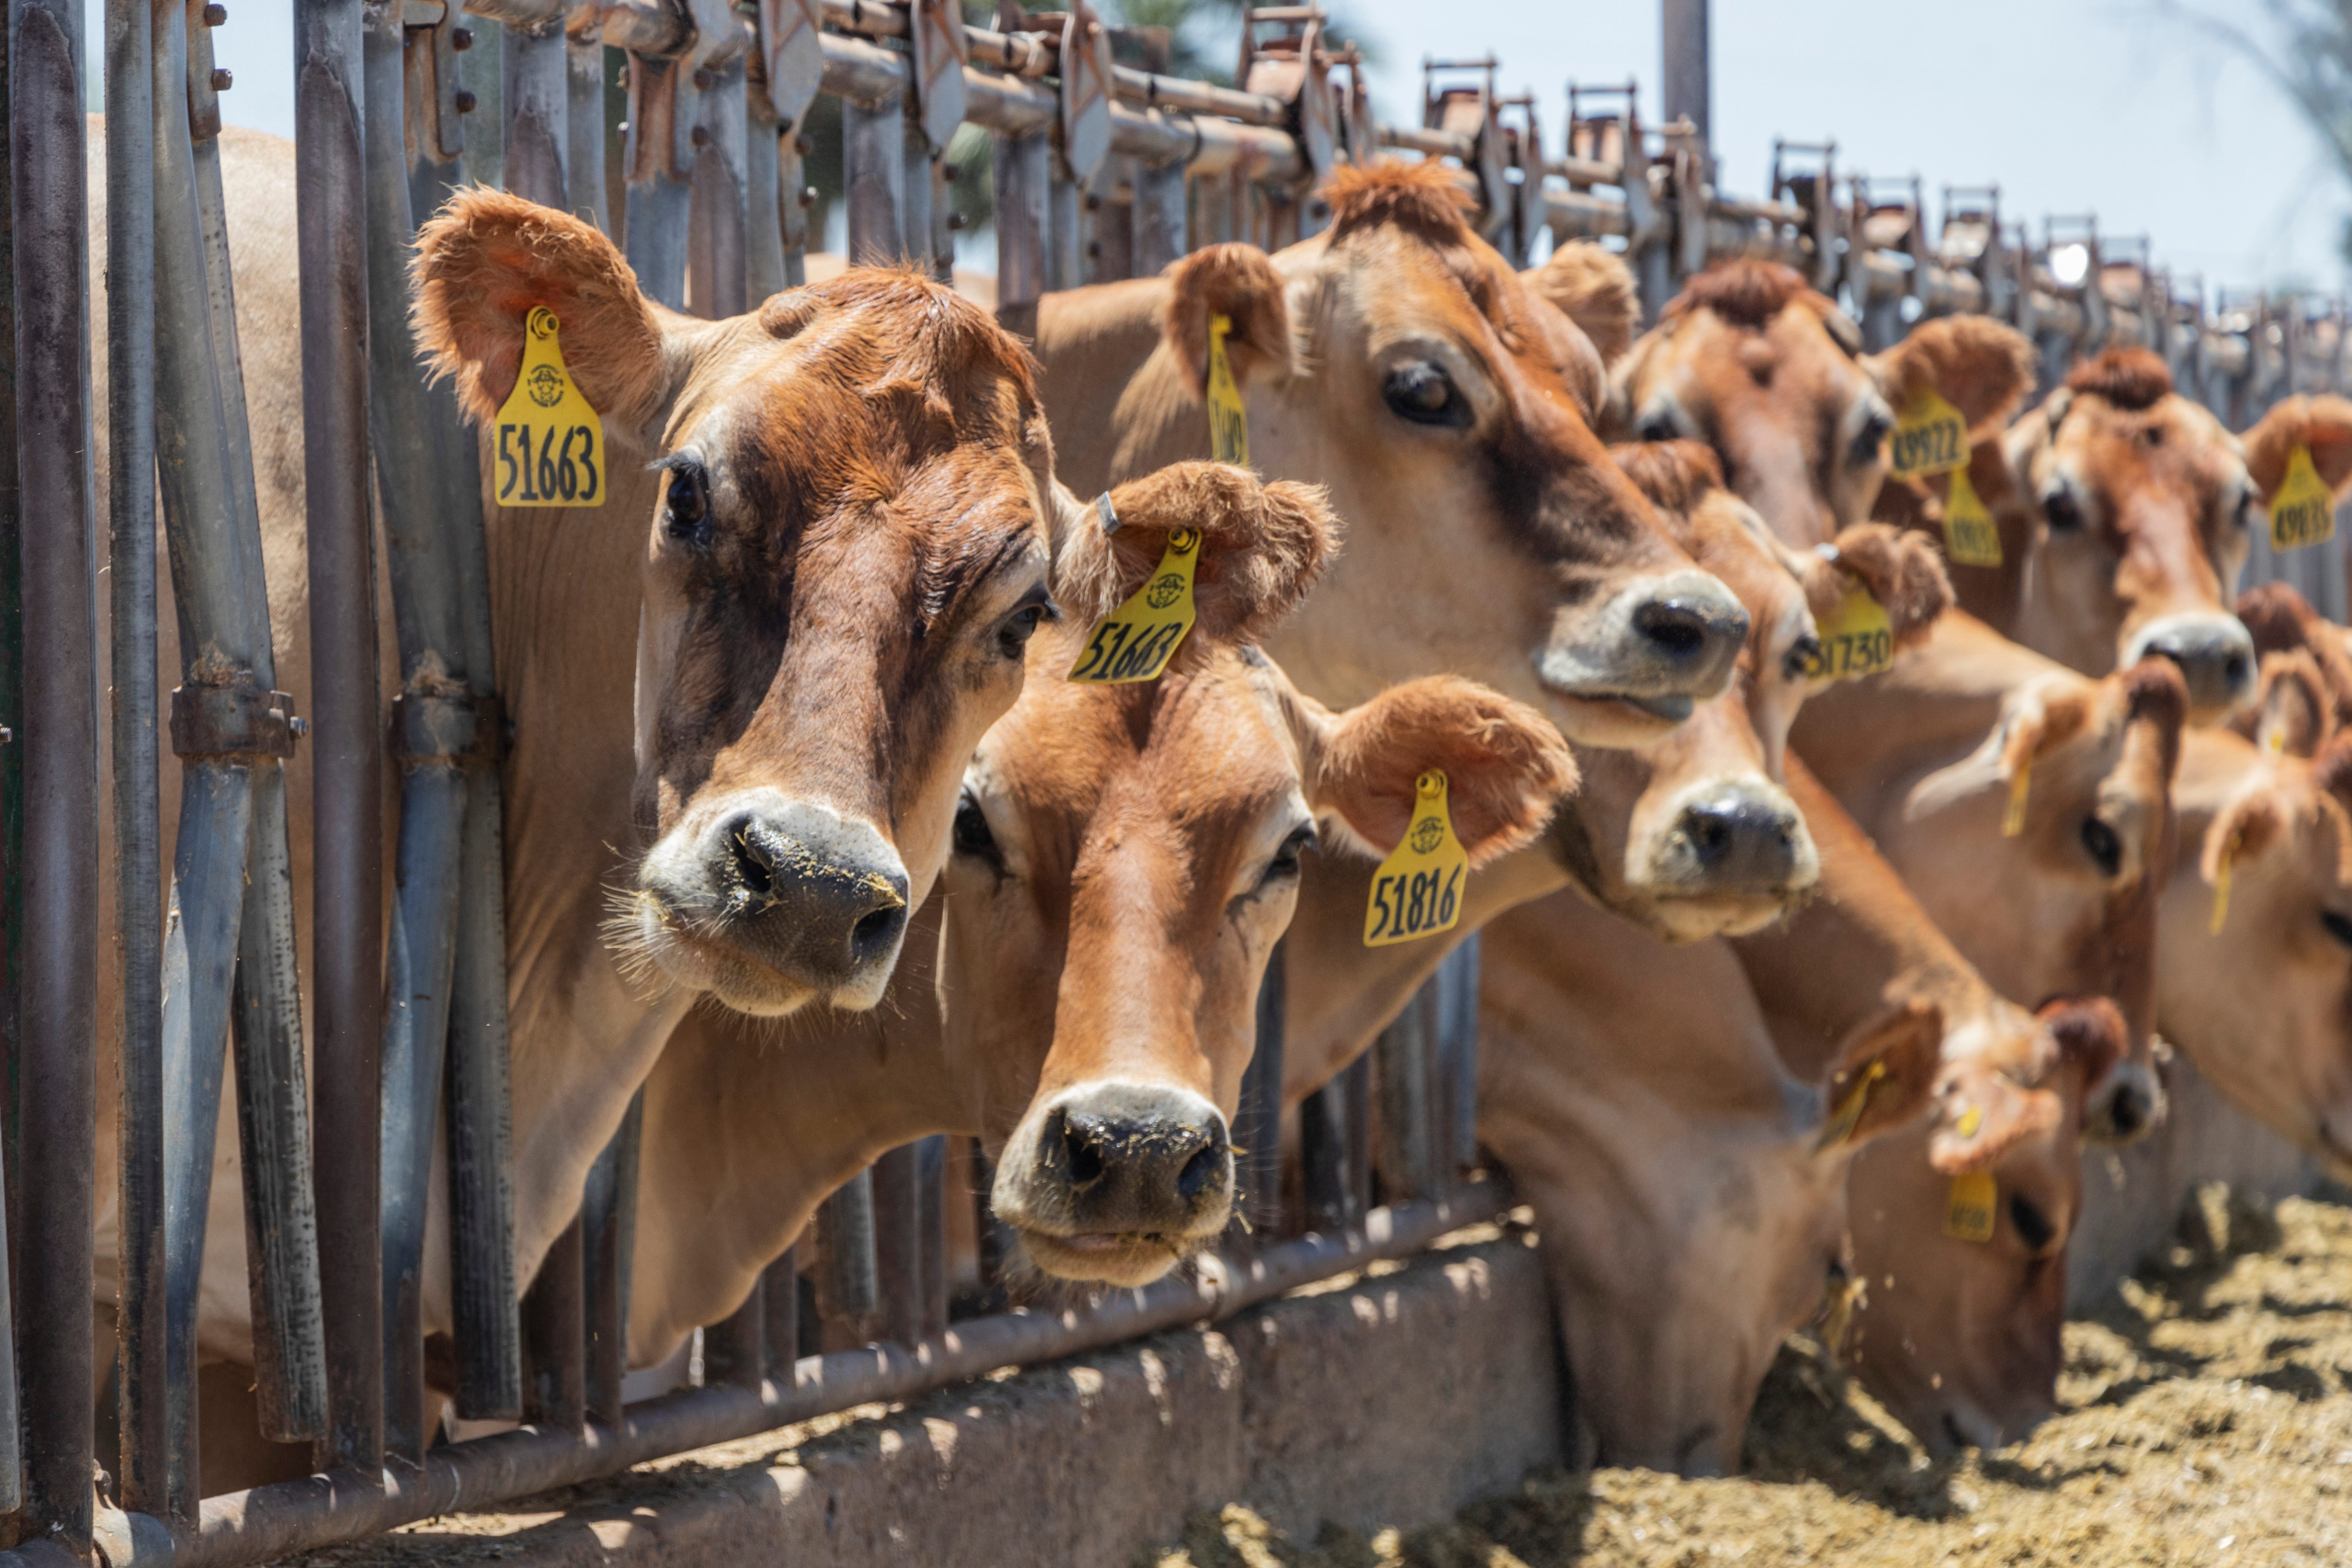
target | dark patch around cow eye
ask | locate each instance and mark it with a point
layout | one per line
(972, 835)
(2100, 843)
(2064, 514)
(1426, 394)
(2033, 1226)
(1869, 438)
(2339, 926)
(685, 502)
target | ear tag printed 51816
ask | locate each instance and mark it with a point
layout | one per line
(1136, 641)
(2304, 510)
(1228, 422)
(1930, 437)
(1417, 891)
(1969, 1205)
(1857, 639)
(550, 443)
(1969, 537)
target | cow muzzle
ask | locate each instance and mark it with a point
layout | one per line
(2125, 1106)
(1732, 855)
(770, 903)
(1116, 1182)
(2215, 654)
(1640, 665)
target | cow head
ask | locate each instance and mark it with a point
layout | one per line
(2256, 985)
(1770, 373)
(849, 514)
(1692, 835)
(1398, 359)
(1126, 857)
(1957, 1329)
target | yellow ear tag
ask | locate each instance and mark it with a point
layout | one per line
(1417, 891)
(2220, 896)
(2304, 510)
(1969, 1120)
(1136, 641)
(550, 443)
(1967, 1206)
(1856, 639)
(1969, 537)
(1848, 1114)
(1930, 437)
(1228, 423)
(2012, 818)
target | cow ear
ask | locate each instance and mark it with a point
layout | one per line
(1261, 546)
(1505, 765)
(2245, 830)
(2038, 720)
(1978, 366)
(1594, 288)
(2294, 714)
(1981, 1113)
(1884, 1077)
(1903, 571)
(2322, 424)
(1239, 283)
(486, 258)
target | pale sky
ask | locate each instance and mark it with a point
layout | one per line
(2071, 105)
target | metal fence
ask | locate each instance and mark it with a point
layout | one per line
(1099, 170)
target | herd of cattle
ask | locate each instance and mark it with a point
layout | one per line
(1800, 995)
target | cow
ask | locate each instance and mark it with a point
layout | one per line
(1123, 860)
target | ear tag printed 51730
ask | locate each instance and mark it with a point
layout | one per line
(1930, 437)
(1969, 1205)
(1417, 891)
(1857, 639)
(1136, 641)
(550, 443)
(1969, 537)
(2304, 510)
(1228, 422)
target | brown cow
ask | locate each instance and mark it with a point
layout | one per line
(1124, 859)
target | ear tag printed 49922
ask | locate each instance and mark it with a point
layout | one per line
(1969, 537)
(550, 443)
(1930, 437)
(1417, 891)
(1136, 641)
(2304, 510)
(1228, 421)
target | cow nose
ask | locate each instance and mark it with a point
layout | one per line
(1690, 629)
(2125, 1106)
(823, 905)
(1738, 837)
(1119, 1159)
(1663, 645)
(2215, 654)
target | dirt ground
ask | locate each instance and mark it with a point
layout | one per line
(2207, 1419)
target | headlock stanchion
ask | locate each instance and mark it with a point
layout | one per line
(1103, 166)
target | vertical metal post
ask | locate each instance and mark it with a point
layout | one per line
(1688, 92)
(1400, 1059)
(931, 1182)
(1257, 1127)
(56, 1079)
(793, 198)
(1022, 167)
(846, 1261)
(779, 1291)
(13, 907)
(484, 155)
(537, 95)
(144, 1465)
(1158, 215)
(347, 892)
(555, 1338)
(1323, 1129)
(735, 1349)
(874, 158)
(608, 1217)
(764, 242)
(719, 213)
(1066, 246)
(583, 114)
(899, 1242)
(660, 206)
(916, 188)
(1457, 1036)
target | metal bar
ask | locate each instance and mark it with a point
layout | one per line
(931, 1227)
(916, 187)
(780, 1290)
(57, 1081)
(584, 119)
(1400, 1061)
(347, 892)
(763, 243)
(873, 175)
(537, 101)
(1066, 246)
(271, 1521)
(1158, 214)
(608, 1218)
(484, 107)
(1457, 1035)
(481, 1192)
(846, 1261)
(1689, 94)
(794, 197)
(1022, 166)
(143, 1463)
(1258, 1126)
(898, 1243)
(555, 1338)
(1323, 1157)
(659, 207)
(735, 1349)
(13, 907)
(720, 216)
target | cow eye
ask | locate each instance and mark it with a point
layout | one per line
(1426, 394)
(2339, 926)
(686, 506)
(1870, 437)
(1022, 624)
(2033, 1226)
(2247, 505)
(1800, 657)
(2062, 510)
(1657, 424)
(2100, 843)
(1286, 859)
(972, 835)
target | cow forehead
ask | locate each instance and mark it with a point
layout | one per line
(1403, 283)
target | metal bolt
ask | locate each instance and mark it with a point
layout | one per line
(958, 221)
(297, 726)
(466, 101)
(808, 197)
(215, 15)
(221, 78)
(701, 137)
(703, 79)
(461, 39)
(784, 125)
(802, 145)
(1094, 202)
(1094, 250)
(949, 171)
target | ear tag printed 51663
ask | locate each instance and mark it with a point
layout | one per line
(1930, 437)
(1969, 537)
(1969, 1205)
(1857, 639)
(2304, 510)
(1228, 422)
(1136, 641)
(1417, 891)
(550, 443)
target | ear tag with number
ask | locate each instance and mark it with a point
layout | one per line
(1969, 537)
(1228, 422)
(1136, 641)
(550, 443)
(1930, 437)
(2304, 510)
(1857, 639)
(1848, 1114)
(2220, 896)
(2012, 818)
(1969, 1205)
(1417, 891)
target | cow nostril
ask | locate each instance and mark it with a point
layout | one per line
(752, 868)
(1198, 1173)
(875, 932)
(1081, 1154)
(1678, 629)
(1710, 834)
(2235, 671)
